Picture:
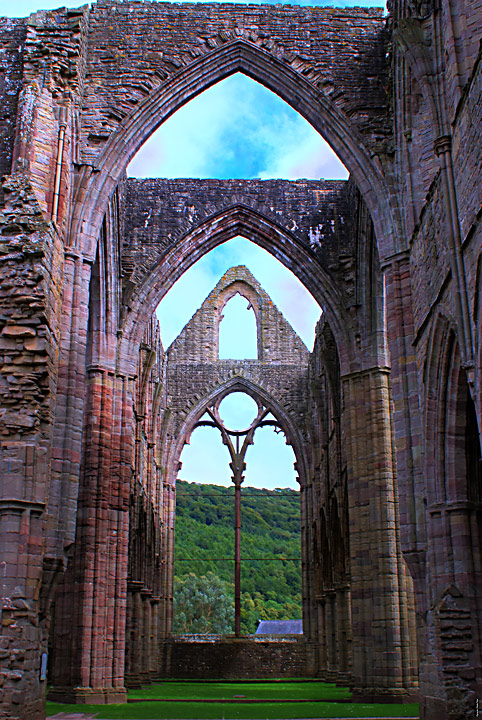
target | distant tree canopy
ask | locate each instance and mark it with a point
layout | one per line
(270, 534)
(203, 604)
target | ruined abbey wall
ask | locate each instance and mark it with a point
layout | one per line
(83, 402)
(197, 376)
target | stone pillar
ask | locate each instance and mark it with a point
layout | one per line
(321, 640)
(155, 640)
(22, 640)
(381, 666)
(343, 633)
(411, 479)
(137, 640)
(129, 634)
(407, 420)
(70, 398)
(146, 636)
(96, 587)
(67, 450)
(132, 677)
(306, 566)
(171, 505)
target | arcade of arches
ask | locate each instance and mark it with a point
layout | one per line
(384, 415)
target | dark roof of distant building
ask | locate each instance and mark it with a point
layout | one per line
(280, 627)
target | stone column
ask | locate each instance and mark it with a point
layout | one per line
(171, 504)
(411, 478)
(343, 632)
(330, 623)
(67, 449)
(155, 642)
(22, 640)
(407, 420)
(381, 665)
(137, 650)
(146, 636)
(132, 677)
(129, 633)
(306, 565)
(96, 587)
(321, 644)
(70, 398)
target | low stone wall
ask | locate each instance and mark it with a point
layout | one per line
(218, 657)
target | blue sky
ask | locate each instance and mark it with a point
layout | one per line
(21, 8)
(236, 129)
(290, 296)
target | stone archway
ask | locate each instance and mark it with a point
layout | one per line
(328, 259)
(292, 249)
(197, 380)
(454, 471)
(305, 79)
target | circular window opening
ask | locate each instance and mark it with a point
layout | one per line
(238, 411)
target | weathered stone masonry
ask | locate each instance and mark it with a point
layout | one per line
(391, 440)
(198, 379)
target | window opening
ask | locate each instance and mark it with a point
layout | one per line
(237, 442)
(237, 410)
(237, 129)
(246, 417)
(238, 337)
(270, 460)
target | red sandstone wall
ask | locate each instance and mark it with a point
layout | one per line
(324, 38)
(12, 39)
(149, 584)
(31, 265)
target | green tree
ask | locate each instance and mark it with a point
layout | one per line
(270, 537)
(203, 604)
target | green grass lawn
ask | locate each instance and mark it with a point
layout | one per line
(319, 705)
(259, 691)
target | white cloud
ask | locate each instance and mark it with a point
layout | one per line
(237, 128)
(312, 158)
(183, 146)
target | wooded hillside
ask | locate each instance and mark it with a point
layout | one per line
(270, 549)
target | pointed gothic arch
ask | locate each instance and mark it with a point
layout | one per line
(450, 412)
(453, 472)
(216, 229)
(289, 79)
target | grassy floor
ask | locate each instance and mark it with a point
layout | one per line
(259, 691)
(319, 695)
